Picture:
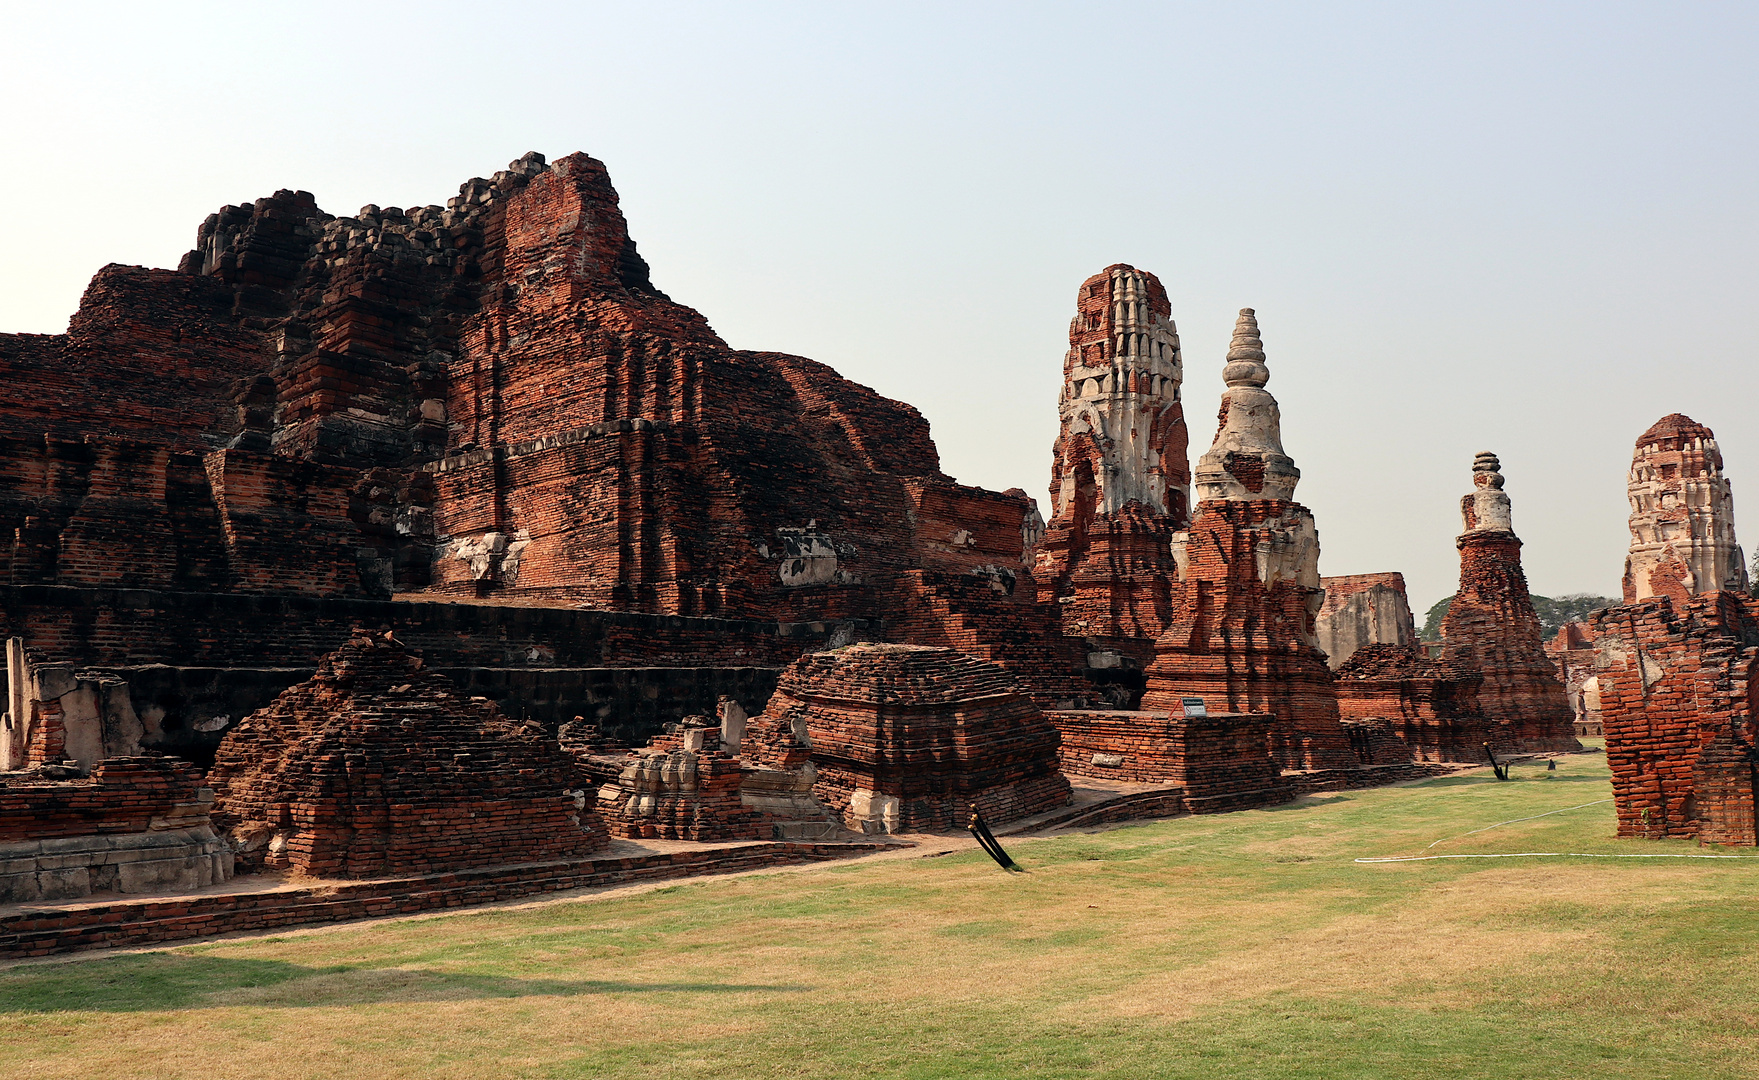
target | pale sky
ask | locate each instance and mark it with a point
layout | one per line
(1528, 228)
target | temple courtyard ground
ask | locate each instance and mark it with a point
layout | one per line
(1235, 945)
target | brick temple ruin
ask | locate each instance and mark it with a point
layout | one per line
(1675, 664)
(1242, 635)
(436, 554)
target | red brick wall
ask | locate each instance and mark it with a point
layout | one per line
(378, 766)
(1244, 645)
(1219, 758)
(1432, 705)
(934, 729)
(1677, 693)
(123, 795)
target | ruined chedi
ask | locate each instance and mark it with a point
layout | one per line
(1120, 484)
(1242, 634)
(1682, 515)
(1491, 626)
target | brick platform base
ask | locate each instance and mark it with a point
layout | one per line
(40, 931)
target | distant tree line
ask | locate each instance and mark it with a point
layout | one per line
(1553, 611)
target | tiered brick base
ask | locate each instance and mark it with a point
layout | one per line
(1432, 705)
(1242, 639)
(1222, 760)
(905, 738)
(1491, 628)
(377, 766)
(137, 825)
(1677, 684)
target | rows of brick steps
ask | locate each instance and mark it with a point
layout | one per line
(28, 931)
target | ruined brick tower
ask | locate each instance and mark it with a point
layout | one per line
(1682, 515)
(1491, 626)
(1242, 631)
(1120, 485)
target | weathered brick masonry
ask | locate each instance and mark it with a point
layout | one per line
(1120, 483)
(134, 825)
(1432, 705)
(378, 766)
(489, 398)
(904, 738)
(1677, 697)
(1363, 609)
(1242, 633)
(42, 931)
(1492, 629)
(195, 662)
(1222, 760)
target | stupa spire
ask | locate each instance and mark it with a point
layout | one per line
(1487, 508)
(1246, 461)
(1246, 365)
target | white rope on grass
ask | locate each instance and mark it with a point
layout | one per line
(1552, 854)
(1513, 821)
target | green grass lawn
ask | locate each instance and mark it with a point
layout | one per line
(1234, 945)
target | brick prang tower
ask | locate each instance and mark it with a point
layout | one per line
(1120, 484)
(1682, 515)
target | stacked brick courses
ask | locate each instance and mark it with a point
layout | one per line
(136, 824)
(1492, 629)
(378, 766)
(1120, 482)
(904, 738)
(1222, 760)
(122, 795)
(42, 931)
(1245, 644)
(1677, 693)
(486, 397)
(1431, 705)
(1242, 634)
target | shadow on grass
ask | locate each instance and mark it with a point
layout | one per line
(161, 982)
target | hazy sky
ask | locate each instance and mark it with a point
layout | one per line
(1528, 228)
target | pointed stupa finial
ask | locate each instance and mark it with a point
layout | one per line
(1246, 365)
(1247, 461)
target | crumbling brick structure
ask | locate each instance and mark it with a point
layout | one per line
(682, 786)
(1431, 705)
(1242, 633)
(378, 766)
(904, 738)
(1678, 697)
(489, 399)
(1363, 609)
(1682, 515)
(1492, 629)
(1120, 485)
(135, 825)
(1572, 650)
(1222, 760)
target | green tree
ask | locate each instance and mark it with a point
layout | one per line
(1552, 612)
(1432, 621)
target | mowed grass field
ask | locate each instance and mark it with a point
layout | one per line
(1235, 945)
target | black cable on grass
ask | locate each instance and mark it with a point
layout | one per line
(987, 840)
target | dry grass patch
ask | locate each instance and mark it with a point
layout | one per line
(1239, 945)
